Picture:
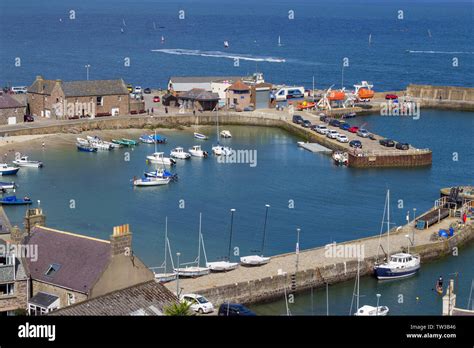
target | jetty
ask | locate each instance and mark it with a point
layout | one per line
(311, 268)
(314, 147)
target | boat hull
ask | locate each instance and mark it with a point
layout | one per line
(12, 171)
(200, 136)
(222, 266)
(384, 273)
(192, 272)
(165, 277)
(151, 182)
(254, 260)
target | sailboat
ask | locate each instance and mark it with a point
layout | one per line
(197, 270)
(258, 260)
(223, 266)
(162, 39)
(123, 22)
(400, 265)
(370, 39)
(226, 44)
(279, 41)
(154, 25)
(121, 30)
(220, 150)
(165, 276)
(365, 310)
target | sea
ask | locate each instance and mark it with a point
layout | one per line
(426, 42)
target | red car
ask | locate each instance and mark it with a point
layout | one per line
(391, 97)
(156, 99)
(353, 129)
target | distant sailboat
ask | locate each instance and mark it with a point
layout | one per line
(121, 30)
(162, 39)
(370, 39)
(123, 22)
(429, 33)
(279, 40)
(226, 44)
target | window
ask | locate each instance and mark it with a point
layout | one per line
(7, 289)
(119, 98)
(71, 299)
(52, 270)
(100, 101)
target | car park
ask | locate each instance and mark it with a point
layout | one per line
(234, 309)
(356, 144)
(353, 129)
(342, 138)
(332, 134)
(363, 133)
(387, 142)
(198, 303)
(402, 146)
(321, 129)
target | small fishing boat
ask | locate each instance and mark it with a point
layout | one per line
(148, 181)
(13, 200)
(158, 158)
(147, 139)
(82, 141)
(100, 146)
(225, 134)
(7, 185)
(179, 153)
(5, 169)
(340, 158)
(200, 136)
(220, 150)
(226, 44)
(130, 142)
(196, 151)
(86, 148)
(23, 161)
(367, 310)
(96, 139)
(162, 173)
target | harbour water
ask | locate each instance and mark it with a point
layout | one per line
(416, 45)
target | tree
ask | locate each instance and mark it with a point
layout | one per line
(178, 309)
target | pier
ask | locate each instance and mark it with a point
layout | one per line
(312, 268)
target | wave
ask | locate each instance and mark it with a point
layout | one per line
(219, 54)
(440, 52)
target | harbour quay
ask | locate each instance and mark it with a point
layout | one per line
(301, 270)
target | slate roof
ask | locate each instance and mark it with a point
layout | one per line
(239, 86)
(8, 102)
(199, 94)
(81, 259)
(202, 79)
(149, 298)
(42, 86)
(43, 299)
(94, 88)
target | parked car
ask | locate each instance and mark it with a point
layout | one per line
(334, 123)
(198, 303)
(372, 136)
(391, 96)
(387, 142)
(344, 126)
(147, 91)
(137, 90)
(297, 119)
(363, 133)
(342, 138)
(28, 118)
(332, 134)
(402, 146)
(156, 99)
(306, 124)
(321, 129)
(234, 309)
(353, 129)
(355, 143)
(19, 90)
(323, 118)
(249, 108)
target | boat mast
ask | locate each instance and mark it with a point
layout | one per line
(199, 242)
(264, 228)
(166, 243)
(388, 223)
(217, 113)
(202, 239)
(230, 236)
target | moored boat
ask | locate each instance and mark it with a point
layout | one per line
(200, 136)
(6, 169)
(225, 134)
(14, 200)
(220, 150)
(7, 185)
(162, 173)
(149, 181)
(179, 153)
(340, 158)
(196, 151)
(129, 142)
(23, 161)
(367, 310)
(158, 158)
(86, 148)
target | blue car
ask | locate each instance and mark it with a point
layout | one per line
(234, 309)
(344, 126)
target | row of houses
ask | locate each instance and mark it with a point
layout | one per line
(44, 270)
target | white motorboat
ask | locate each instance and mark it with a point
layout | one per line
(222, 266)
(165, 276)
(367, 310)
(220, 150)
(258, 260)
(100, 140)
(400, 265)
(179, 153)
(158, 158)
(98, 143)
(162, 173)
(340, 158)
(149, 181)
(5, 169)
(83, 141)
(225, 134)
(23, 161)
(196, 151)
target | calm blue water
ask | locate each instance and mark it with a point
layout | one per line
(321, 34)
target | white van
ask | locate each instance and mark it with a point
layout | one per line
(19, 90)
(289, 93)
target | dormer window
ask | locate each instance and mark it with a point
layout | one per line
(52, 270)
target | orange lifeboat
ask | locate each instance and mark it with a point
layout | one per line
(365, 93)
(305, 105)
(336, 95)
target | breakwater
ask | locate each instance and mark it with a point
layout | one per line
(442, 97)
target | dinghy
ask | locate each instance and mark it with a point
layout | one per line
(13, 200)
(196, 151)
(158, 158)
(129, 142)
(7, 185)
(148, 181)
(200, 136)
(5, 169)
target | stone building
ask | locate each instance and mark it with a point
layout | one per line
(62, 100)
(198, 99)
(71, 268)
(11, 110)
(238, 96)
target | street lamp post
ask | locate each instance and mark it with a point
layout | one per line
(413, 231)
(378, 298)
(408, 243)
(87, 66)
(177, 277)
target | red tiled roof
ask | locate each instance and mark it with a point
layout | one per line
(239, 86)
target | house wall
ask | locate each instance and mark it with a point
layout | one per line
(243, 100)
(17, 300)
(220, 89)
(38, 286)
(18, 113)
(109, 102)
(123, 271)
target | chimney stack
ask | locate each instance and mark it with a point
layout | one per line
(121, 241)
(16, 235)
(33, 217)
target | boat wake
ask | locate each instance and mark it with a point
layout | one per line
(218, 54)
(440, 52)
